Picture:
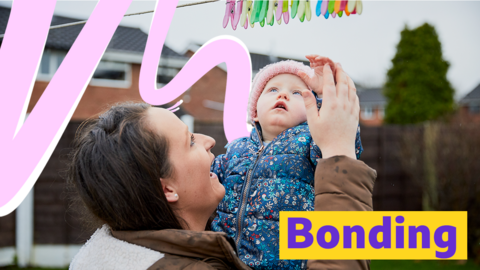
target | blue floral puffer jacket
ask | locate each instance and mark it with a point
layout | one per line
(260, 181)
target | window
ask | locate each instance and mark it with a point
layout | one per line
(107, 74)
(367, 112)
(49, 64)
(381, 112)
(165, 75)
(112, 74)
(474, 108)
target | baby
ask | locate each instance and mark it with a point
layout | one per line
(273, 169)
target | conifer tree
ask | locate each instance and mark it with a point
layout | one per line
(417, 88)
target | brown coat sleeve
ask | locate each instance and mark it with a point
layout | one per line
(343, 184)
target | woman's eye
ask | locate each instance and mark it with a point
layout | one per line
(192, 140)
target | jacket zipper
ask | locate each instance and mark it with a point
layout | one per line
(246, 188)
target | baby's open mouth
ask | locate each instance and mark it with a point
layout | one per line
(280, 105)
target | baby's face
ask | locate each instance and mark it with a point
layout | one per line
(281, 105)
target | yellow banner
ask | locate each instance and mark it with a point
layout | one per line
(385, 235)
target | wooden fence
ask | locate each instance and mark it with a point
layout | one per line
(394, 190)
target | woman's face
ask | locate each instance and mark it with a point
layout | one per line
(199, 191)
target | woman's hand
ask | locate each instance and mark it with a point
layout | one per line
(334, 126)
(316, 63)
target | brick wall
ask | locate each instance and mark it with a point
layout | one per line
(95, 99)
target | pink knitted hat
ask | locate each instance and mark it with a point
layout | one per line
(266, 74)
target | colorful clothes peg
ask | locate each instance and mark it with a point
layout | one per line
(340, 14)
(336, 8)
(246, 24)
(359, 7)
(294, 8)
(301, 10)
(351, 5)
(331, 6)
(243, 17)
(318, 8)
(250, 13)
(229, 12)
(343, 5)
(326, 14)
(272, 5)
(334, 15)
(263, 10)
(324, 8)
(279, 10)
(286, 15)
(308, 10)
(238, 13)
(256, 11)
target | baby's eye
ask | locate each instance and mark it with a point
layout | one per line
(274, 90)
(297, 92)
(192, 140)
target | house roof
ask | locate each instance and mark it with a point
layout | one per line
(258, 60)
(372, 96)
(474, 95)
(125, 39)
(261, 60)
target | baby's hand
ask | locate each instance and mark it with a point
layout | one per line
(316, 63)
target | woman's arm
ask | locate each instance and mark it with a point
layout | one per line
(343, 184)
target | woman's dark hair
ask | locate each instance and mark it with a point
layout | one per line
(115, 167)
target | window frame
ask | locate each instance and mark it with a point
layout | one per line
(127, 83)
(368, 115)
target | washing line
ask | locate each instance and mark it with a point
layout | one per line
(126, 15)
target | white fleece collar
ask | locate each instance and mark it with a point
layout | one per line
(103, 251)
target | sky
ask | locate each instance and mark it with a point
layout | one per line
(364, 44)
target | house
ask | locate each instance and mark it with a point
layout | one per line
(372, 106)
(469, 110)
(40, 232)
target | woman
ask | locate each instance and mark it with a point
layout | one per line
(140, 171)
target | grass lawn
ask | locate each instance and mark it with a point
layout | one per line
(423, 265)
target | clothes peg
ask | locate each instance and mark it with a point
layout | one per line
(286, 15)
(246, 24)
(331, 6)
(326, 14)
(250, 13)
(256, 11)
(318, 8)
(238, 13)
(243, 17)
(334, 15)
(229, 11)
(351, 5)
(301, 10)
(272, 7)
(324, 8)
(343, 5)
(308, 10)
(263, 11)
(336, 8)
(340, 14)
(278, 10)
(346, 10)
(359, 7)
(294, 8)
